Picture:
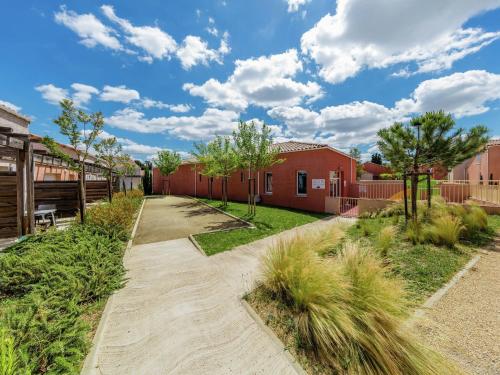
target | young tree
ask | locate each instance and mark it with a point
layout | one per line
(428, 140)
(225, 161)
(254, 151)
(146, 178)
(377, 158)
(82, 130)
(109, 155)
(356, 154)
(208, 167)
(167, 162)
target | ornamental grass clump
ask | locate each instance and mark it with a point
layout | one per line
(385, 239)
(445, 230)
(317, 295)
(347, 310)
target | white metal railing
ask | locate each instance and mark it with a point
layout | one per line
(457, 191)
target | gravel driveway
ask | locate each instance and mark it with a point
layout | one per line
(465, 324)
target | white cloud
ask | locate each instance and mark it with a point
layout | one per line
(91, 31)
(10, 105)
(151, 39)
(194, 51)
(463, 94)
(345, 125)
(179, 108)
(213, 121)
(83, 93)
(265, 81)
(380, 33)
(131, 147)
(52, 94)
(119, 94)
(294, 5)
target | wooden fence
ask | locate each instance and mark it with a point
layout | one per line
(64, 194)
(9, 218)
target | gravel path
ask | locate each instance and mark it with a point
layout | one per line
(465, 324)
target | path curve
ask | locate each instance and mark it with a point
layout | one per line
(181, 313)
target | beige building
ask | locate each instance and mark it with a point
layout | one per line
(482, 167)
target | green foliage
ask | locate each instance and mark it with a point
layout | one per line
(167, 161)
(8, 355)
(109, 153)
(114, 217)
(255, 152)
(445, 230)
(377, 158)
(50, 283)
(439, 142)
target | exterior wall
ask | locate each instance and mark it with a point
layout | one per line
(493, 163)
(46, 173)
(317, 163)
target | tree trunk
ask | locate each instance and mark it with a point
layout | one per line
(81, 193)
(124, 186)
(414, 191)
(254, 204)
(110, 189)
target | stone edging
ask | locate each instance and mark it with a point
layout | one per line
(90, 364)
(438, 295)
(275, 340)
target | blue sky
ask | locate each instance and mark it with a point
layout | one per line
(166, 74)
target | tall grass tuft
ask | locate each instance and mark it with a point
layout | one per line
(445, 230)
(298, 277)
(475, 220)
(326, 240)
(385, 240)
(415, 232)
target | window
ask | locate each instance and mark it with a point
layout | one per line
(301, 183)
(268, 183)
(199, 174)
(241, 177)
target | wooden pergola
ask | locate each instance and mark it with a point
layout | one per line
(16, 147)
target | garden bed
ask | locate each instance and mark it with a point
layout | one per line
(355, 287)
(267, 221)
(54, 286)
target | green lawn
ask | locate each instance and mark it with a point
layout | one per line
(268, 221)
(425, 267)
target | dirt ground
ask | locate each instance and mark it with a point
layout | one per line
(172, 217)
(465, 324)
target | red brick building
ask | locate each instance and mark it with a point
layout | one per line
(372, 171)
(310, 173)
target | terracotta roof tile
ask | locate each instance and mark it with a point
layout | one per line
(13, 112)
(292, 146)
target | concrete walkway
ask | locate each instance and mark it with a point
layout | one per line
(180, 313)
(465, 324)
(171, 217)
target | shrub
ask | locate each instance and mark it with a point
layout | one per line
(49, 281)
(385, 240)
(445, 230)
(115, 218)
(8, 356)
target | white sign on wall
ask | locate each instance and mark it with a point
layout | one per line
(318, 183)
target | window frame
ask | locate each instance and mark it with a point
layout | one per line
(266, 186)
(297, 183)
